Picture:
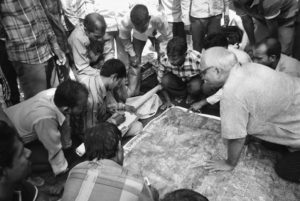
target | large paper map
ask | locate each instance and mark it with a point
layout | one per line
(173, 148)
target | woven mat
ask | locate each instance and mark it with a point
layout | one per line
(173, 148)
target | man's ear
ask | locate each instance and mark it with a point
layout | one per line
(273, 58)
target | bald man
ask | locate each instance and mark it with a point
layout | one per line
(90, 47)
(256, 101)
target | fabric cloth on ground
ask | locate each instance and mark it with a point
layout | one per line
(38, 118)
(174, 147)
(105, 180)
(288, 65)
(261, 102)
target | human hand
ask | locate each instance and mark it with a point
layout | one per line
(166, 105)
(218, 165)
(61, 57)
(134, 60)
(187, 29)
(196, 107)
(130, 109)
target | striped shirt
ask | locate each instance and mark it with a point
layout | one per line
(105, 180)
(190, 67)
(28, 31)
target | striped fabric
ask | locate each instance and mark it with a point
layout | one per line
(28, 30)
(107, 181)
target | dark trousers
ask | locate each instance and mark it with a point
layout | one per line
(10, 74)
(202, 26)
(288, 167)
(177, 88)
(178, 29)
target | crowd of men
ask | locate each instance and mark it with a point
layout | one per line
(249, 64)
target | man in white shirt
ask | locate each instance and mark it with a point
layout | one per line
(268, 52)
(43, 118)
(178, 15)
(256, 101)
(206, 19)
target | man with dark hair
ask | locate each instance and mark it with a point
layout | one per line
(14, 167)
(89, 45)
(143, 22)
(107, 179)
(179, 71)
(42, 122)
(268, 52)
(269, 18)
(101, 101)
(184, 195)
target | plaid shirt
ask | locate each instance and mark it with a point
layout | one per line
(105, 180)
(190, 67)
(28, 31)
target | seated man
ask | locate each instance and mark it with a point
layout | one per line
(106, 178)
(89, 46)
(219, 40)
(179, 71)
(184, 195)
(256, 101)
(14, 167)
(101, 102)
(268, 52)
(144, 24)
(41, 121)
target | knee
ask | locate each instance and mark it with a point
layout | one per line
(135, 129)
(166, 81)
(194, 86)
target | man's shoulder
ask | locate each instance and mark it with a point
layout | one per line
(78, 35)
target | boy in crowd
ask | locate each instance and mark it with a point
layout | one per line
(101, 101)
(43, 123)
(184, 195)
(179, 71)
(220, 40)
(14, 167)
(144, 24)
(268, 52)
(107, 178)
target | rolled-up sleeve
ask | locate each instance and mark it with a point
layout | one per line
(234, 118)
(48, 133)
(271, 9)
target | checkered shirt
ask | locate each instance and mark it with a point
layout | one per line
(28, 31)
(190, 67)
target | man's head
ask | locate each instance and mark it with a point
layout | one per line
(14, 164)
(267, 52)
(176, 51)
(115, 70)
(140, 17)
(94, 26)
(215, 40)
(184, 195)
(71, 97)
(217, 62)
(104, 142)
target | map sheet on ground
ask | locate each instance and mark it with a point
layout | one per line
(173, 148)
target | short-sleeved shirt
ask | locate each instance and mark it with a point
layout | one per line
(39, 118)
(261, 102)
(105, 180)
(288, 65)
(190, 68)
(269, 9)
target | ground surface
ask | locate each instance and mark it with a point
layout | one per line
(173, 148)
